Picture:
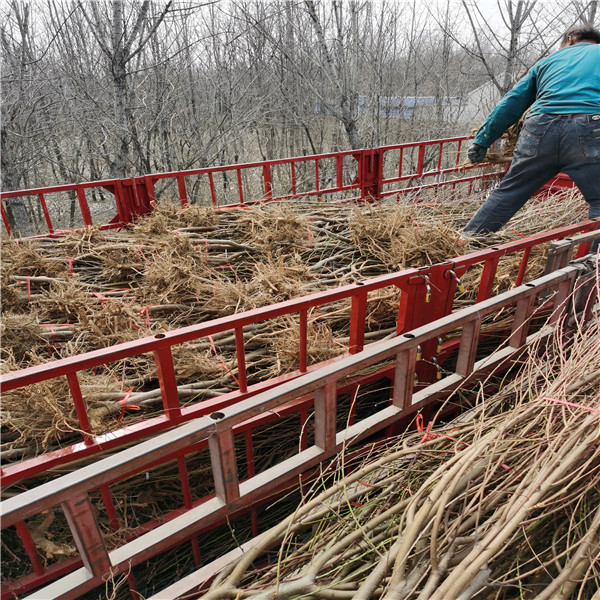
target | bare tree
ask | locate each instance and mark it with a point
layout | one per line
(120, 87)
(22, 95)
(488, 43)
(338, 66)
(531, 30)
(120, 47)
(587, 11)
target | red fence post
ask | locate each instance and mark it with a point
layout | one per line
(182, 191)
(5, 218)
(167, 381)
(83, 206)
(370, 167)
(420, 160)
(303, 341)
(46, 213)
(488, 276)
(134, 197)
(109, 506)
(80, 408)
(358, 315)
(145, 194)
(30, 548)
(122, 201)
(429, 296)
(267, 182)
(140, 192)
(241, 359)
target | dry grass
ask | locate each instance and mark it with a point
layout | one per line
(172, 216)
(276, 225)
(20, 335)
(112, 322)
(27, 258)
(285, 342)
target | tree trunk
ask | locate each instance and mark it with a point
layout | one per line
(119, 73)
(338, 72)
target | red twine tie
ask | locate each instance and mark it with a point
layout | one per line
(212, 343)
(573, 404)
(124, 406)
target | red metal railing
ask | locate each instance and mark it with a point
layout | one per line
(233, 494)
(357, 174)
(427, 293)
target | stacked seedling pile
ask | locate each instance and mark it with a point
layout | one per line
(91, 289)
(501, 503)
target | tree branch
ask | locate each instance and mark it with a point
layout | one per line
(152, 31)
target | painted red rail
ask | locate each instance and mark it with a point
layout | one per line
(369, 175)
(357, 174)
(233, 494)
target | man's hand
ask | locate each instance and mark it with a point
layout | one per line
(476, 153)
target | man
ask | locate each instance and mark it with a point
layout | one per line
(561, 132)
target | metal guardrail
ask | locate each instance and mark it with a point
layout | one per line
(369, 174)
(231, 494)
(137, 196)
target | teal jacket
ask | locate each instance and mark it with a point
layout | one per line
(566, 82)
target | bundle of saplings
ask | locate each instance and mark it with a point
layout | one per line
(501, 503)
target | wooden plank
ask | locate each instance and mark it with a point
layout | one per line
(559, 253)
(224, 468)
(520, 326)
(565, 288)
(404, 376)
(87, 535)
(467, 350)
(325, 415)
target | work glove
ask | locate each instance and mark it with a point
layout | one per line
(476, 153)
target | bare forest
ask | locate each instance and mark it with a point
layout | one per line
(116, 88)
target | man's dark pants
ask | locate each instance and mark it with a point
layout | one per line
(547, 145)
